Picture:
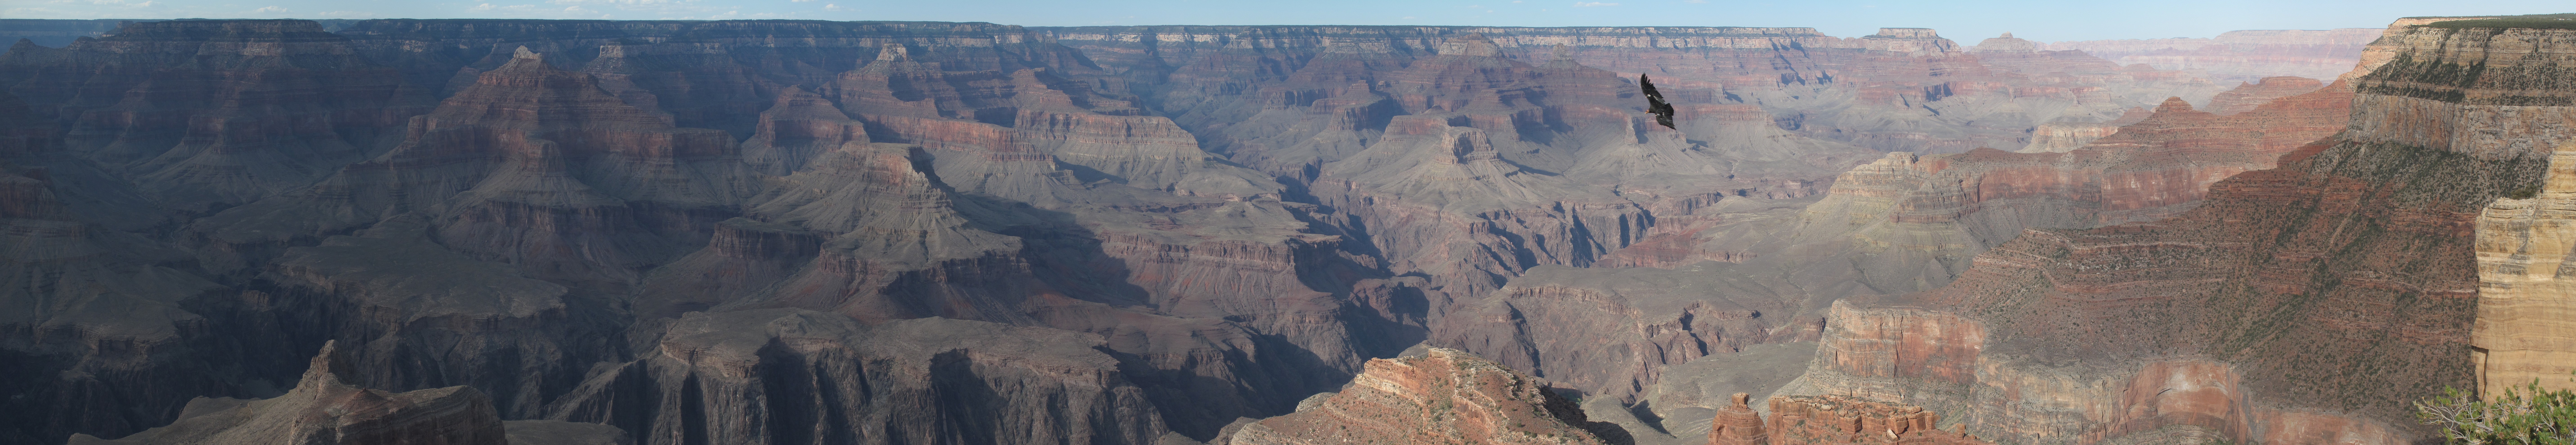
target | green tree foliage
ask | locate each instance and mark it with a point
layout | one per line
(2525, 416)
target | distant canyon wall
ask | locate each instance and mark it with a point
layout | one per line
(2240, 55)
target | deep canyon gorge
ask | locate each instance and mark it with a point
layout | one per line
(682, 232)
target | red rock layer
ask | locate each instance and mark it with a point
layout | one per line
(1737, 424)
(1447, 396)
(1843, 420)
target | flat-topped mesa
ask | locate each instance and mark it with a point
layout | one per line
(2415, 75)
(2526, 327)
(2005, 44)
(1444, 395)
(1910, 40)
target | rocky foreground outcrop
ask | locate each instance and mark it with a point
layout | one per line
(325, 408)
(2306, 303)
(1444, 396)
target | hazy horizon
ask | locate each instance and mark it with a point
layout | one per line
(1964, 21)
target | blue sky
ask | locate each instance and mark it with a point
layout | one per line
(1963, 20)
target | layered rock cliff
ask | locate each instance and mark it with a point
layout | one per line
(1444, 396)
(799, 376)
(2305, 303)
(2522, 335)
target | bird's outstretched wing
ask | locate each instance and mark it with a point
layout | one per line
(1655, 102)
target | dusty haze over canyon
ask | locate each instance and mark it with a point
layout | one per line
(682, 232)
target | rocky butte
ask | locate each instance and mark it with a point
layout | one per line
(794, 231)
(1442, 396)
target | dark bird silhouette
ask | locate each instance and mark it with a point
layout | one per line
(1655, 102)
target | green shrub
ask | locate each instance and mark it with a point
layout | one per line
(2539, 21)
(2525, 192)
(2530, 416)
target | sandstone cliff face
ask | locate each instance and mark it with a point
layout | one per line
(2521, 335)
(2304, 303)
(1445, 396)
(2240, 55)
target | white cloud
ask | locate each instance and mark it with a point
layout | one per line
(347, 14)
(836, 7)
(1593, 4)
(270, 10)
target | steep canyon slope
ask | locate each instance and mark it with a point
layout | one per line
(2306, 303)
